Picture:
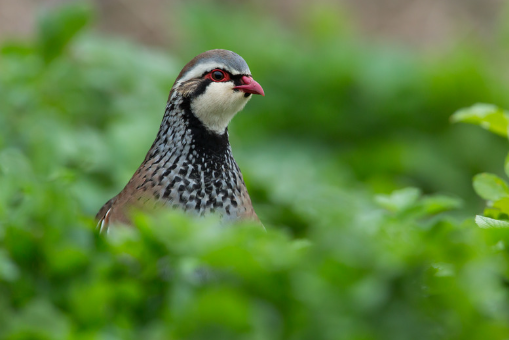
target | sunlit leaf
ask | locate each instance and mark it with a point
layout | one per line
(501, 205)
(439, 203)
(490, 187)
(399, 199)
(489, 117)
(488, 223)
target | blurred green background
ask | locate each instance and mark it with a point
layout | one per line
(358, 101)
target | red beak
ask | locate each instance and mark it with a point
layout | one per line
(250, 86)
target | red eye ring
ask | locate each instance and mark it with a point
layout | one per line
(218, 75)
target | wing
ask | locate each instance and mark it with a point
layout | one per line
(103, 216)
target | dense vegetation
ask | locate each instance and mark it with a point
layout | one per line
(333, 157)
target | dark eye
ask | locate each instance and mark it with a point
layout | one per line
(217, 75)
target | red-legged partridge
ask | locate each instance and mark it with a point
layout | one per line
(190, 164)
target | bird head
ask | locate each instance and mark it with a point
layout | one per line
(218, 84)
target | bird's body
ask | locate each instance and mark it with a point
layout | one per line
(190, 164)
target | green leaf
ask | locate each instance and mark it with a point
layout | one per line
(501, 205)
(489, 117)
(399, 200)
(490, 187)
(439, 203)
(58, 27)
(489, 223)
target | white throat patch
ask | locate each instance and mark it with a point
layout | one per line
(217, 105)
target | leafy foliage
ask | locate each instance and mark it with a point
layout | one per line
(489, 186)
(78, 111)
(361, 273)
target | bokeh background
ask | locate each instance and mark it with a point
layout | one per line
(364, 88)
(359, 95)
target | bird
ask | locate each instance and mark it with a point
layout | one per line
(190, 166)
